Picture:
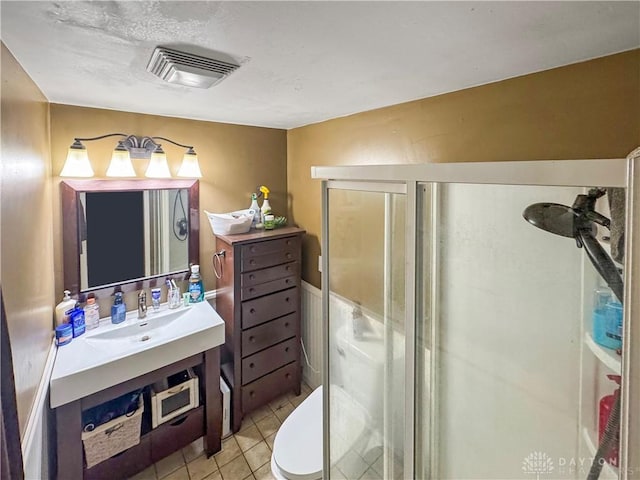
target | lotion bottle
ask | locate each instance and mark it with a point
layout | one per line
(63, 309)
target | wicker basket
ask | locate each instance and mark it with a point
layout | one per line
(113, 437)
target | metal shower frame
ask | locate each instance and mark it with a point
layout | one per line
(407, 179)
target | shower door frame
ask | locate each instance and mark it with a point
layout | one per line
(617, 172)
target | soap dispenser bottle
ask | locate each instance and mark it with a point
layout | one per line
(118, 309)
(91, 313)
(63, 309)
(196, 288)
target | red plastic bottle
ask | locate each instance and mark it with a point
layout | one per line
(606, 404)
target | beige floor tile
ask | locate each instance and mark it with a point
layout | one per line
(201, 467)
(279, 403)
(295, 401)
(235, 469)
(147, 474)
(371, 474)
(336, 474)
(260, 413)
(270, 439)
(258, 455)
(214, 476)
(268, 425)
(180, 474)
(169, 464)
(230, 450)
(306, 389)
(248, 437)
(246, 423)
(264, 473)
(249, 477)
(193, 450)
(284, 411)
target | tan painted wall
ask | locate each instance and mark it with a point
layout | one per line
(26, 228)
(234, 159)
(585, 110)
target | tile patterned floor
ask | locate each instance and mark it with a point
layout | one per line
(244, 456)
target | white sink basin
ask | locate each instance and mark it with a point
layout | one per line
(142, 330)
(112, 354)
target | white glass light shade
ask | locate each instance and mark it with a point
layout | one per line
(158, 166)
(120, 165)
(190, 167)
(77, 163)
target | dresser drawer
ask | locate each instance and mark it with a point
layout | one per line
(272, 358)
(263, 309)
(254, 291)
(270, 386)
(267, 334)
(269, 274)
(269, 253)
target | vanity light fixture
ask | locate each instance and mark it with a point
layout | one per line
(131, 146)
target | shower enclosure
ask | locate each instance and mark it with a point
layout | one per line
(459, 339)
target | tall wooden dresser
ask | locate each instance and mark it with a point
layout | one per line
(258, 296)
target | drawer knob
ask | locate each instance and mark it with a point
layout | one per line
(286, 324)
(287, 281)
(252, 394)
(253, 310)
(252, 262)
(288, 242)
(287, 376)
(289, 255)
(252, 276)
(286, 299)
(252, 339)
(251, 290)
(252, 249)
(286, 349)
(251, 365)
(288, 268)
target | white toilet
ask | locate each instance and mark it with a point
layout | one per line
(297, 450)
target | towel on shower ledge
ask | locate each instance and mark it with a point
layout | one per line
(617, 198)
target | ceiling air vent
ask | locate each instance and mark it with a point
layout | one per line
(188, 69)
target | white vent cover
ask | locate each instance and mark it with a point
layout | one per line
(188, 69)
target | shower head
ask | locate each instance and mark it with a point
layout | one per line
(554, 218)
(579, 222)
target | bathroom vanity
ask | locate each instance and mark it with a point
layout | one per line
(259, 298)
(113, 360)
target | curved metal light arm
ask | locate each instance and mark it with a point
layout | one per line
(100, 137)
(175, 143)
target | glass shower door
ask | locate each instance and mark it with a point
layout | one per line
(365, 249)
(513, 389)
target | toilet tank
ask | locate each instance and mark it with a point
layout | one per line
(358, 364)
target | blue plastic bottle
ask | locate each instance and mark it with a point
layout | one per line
(118, 309)
(607, 319)
(196, 288)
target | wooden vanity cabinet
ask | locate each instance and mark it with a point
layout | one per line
(258, 296)
(155, 444)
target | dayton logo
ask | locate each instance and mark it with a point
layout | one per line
(537, 463)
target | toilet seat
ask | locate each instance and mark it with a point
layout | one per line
(297, 449)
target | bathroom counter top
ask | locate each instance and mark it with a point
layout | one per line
(108, 355)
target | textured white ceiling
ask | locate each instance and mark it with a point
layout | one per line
(301, 62)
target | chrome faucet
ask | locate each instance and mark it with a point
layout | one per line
(142, 304)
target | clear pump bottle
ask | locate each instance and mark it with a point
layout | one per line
(196, 288)
(91, 314)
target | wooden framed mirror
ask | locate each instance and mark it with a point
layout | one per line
(128, 234)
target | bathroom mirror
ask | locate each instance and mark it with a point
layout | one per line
(129, 233)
